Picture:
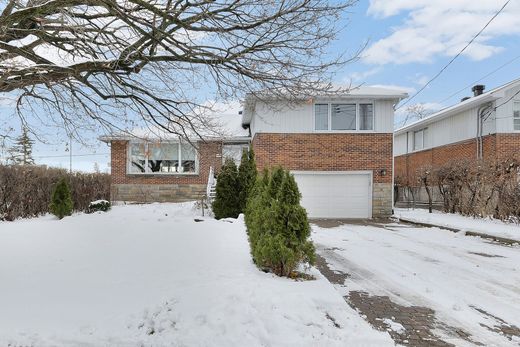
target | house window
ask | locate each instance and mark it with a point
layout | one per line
(418, 139)
(366, 117)
(137, 157)
(516, 115)
(343, 117)
(162, 158)
(234, 152)
(321, 116)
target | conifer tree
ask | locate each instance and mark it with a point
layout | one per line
(246, 176)
(227, 203)
(61, 200)
(21, 152)
(277, 225)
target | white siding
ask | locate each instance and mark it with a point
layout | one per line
(300, 118)
(463, 125)
(460, 127)
(400, 144)
(504, 114)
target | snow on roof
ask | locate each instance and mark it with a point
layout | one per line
(472, 102)
(224, 123)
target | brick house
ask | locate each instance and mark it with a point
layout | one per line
(339, 149)
(485, 126)
(149, 169)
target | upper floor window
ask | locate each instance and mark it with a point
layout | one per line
(418, 139)
(516, 115)
(162, 157)
(343, 117)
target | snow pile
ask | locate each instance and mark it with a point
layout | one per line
(394, 326)
(150, 275)
(486, 226)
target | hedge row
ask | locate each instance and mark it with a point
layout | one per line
(25, 191)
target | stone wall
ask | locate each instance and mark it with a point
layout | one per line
(382, 200)
(145, 193)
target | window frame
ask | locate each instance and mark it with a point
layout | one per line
(147, 155)
(344, 102)
(423, 147)
(517, 104)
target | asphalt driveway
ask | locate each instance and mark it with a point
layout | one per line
(425, 286)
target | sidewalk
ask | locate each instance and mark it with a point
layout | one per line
(496, 230)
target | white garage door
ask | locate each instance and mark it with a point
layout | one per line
(335, 195)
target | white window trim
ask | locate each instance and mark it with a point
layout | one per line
(329, 119)
(147, 173)
(423, 147)
(515, 102)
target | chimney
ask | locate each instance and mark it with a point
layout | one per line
(465, 98)
(478, 89)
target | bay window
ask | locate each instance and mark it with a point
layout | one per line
(162, 157)
(344, 117)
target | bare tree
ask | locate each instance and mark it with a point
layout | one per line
(116, 63)
(415, 112)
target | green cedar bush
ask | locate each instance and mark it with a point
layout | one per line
(227, 204)
(61, 200)
(277, 225)
(246, 176)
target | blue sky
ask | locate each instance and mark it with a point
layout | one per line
(409, 41)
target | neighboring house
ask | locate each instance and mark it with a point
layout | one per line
(485, 126)
(338, 148)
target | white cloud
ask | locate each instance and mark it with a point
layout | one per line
(361, 76)
(440, 28)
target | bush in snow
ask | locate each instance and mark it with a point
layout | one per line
(246, 176)
(26, 190)
(227, 204)
(61, 201)
(277, 224)
(99, 205)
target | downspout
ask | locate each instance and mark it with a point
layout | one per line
(480, 125)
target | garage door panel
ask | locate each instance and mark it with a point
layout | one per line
(335, 195)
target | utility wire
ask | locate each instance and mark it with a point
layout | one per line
(480, 79)
(455, 57)
(66, 155)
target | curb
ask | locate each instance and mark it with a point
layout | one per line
(500, 239)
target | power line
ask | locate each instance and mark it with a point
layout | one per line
(480, 79)
(455, 57)
(67, 155)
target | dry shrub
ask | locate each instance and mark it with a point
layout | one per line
(477, 188)
(25, 191)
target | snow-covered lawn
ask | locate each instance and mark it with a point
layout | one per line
(431, 267)
(150, 275)
(487, 226)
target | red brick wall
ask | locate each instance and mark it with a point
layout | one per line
(326, 152)
(406, 166)
(209, 155)
(508, 145)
